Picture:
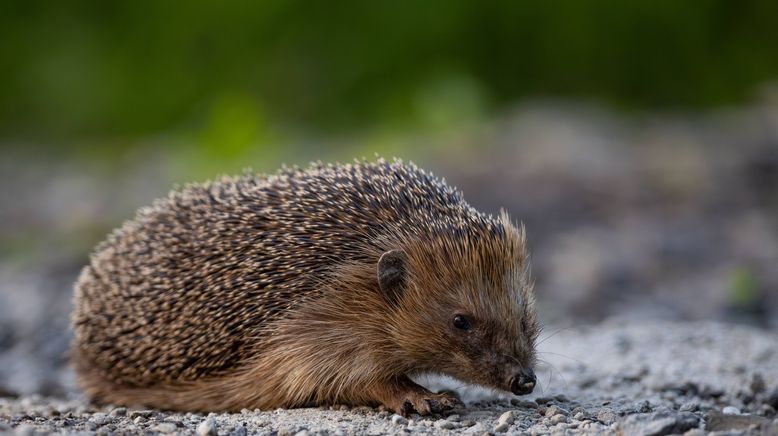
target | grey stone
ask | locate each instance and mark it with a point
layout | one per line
(690, 406)
(556, 419)
(398, 420)
(506, 417)
(444, 424)
(101, 419)
(118, 412)
(642, 406)
(543, 400)
(715, 421)
(658, 424)
(165, 427)
(556, 410)
(607, 415)
(142, 413)
(730, 410)
(525, 404)
(286, 431)
(501, 427)
(207, 427)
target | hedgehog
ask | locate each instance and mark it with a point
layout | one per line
(333, 284)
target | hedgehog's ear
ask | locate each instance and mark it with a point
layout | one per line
(391, 274)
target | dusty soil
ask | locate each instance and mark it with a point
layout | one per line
(617, 377)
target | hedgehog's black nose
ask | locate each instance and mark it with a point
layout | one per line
(524, 382)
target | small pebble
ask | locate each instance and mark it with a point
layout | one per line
(555, 410)
(730, 410)
(453, 418)
(606, 415)
(556, 419)
(506, 417)
(119, 411)
(444, 424)
(100, 418)
(165, 427)
(579, 416)
(642, 406)
(525, 404)
(543, 400)
(501, 427)
(690, 406)
(207, 427)
(399, 420)
(468, 423)
(141, 413)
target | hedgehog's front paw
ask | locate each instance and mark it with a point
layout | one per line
(425, 403)
(405, 397)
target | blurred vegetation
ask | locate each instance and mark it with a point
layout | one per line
(233, 74)
(744, 288)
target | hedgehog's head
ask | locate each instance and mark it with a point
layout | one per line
(462, 305)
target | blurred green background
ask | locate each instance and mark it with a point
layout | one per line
(226, 79)
(637, 140)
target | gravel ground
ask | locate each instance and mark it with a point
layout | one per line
(617, 377)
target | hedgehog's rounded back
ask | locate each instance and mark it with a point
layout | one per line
(198, 298)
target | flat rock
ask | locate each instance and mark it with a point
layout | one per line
(715, 421)
(659, 424)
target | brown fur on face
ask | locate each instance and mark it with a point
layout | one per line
(328, 285)
(484, 278)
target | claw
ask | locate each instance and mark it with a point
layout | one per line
(427, 405)
(406, 409)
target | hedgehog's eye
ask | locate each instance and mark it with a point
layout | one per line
(461, 322)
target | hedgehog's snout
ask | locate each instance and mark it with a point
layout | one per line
(523, 382)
